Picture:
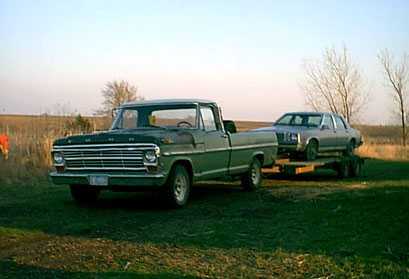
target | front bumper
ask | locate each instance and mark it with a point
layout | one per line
(131, 180)
(290, 148)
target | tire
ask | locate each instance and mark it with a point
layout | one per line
(311, 151)
(84, 194)
(343, 169)
(349, 150)
(252, 179)
(355, 168)
(178, 187)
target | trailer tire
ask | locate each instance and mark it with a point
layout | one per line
(343, 169)
(252, 179)
(355, 168)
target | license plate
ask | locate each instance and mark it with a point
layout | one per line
(98, 180)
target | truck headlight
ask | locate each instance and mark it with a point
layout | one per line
(150, 156)
(58, 158)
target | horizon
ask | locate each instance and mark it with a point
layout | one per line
(247, 57)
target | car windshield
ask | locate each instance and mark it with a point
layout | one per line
(302, 119)
(156, 117)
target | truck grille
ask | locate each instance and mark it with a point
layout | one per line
(104, 156)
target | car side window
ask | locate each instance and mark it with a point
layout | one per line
(340, 124)
(208, 119)
(328, 122)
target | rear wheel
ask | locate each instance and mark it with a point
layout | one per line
(311, 151)
(252, 179)
(349, 150)
(178, 187)
(84, 194)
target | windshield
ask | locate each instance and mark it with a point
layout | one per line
(307, 120)
(156, 117)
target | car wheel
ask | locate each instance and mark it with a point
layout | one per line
(311, 151)
(84, 194)
(178, 187)
(349, 150)
(252, 179)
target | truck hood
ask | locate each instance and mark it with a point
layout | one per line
(156, 136)
(284, 129)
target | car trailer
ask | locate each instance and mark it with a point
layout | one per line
(345, 166)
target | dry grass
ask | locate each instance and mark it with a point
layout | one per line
(31, 139)
(384, 151)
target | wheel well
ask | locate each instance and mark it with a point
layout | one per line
(260, 157)
(316, 140)
(187, 165)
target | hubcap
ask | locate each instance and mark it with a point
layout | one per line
(255, 175)
(180, 188)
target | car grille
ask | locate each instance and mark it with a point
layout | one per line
(104, 156)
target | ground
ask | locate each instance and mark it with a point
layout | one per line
(313, 226)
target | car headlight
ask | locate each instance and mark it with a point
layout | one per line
(58, 158)
(292, 137)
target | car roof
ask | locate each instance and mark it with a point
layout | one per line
(168, 102)
(307, 113)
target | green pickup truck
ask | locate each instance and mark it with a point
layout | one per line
(165, 145)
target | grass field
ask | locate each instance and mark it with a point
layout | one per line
(311, 226)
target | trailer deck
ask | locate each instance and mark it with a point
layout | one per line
(345, 166)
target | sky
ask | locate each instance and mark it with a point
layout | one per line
(56, 56)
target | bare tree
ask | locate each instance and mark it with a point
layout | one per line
(397, 76)
(116, 93)
(334, 84)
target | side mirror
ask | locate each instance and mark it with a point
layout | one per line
(324, 127)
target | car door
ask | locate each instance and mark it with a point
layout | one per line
(341, 131)
(217, 148)
(327, 134)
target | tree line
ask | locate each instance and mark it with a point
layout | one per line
(332, 83)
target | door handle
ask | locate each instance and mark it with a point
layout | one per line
(223, 136)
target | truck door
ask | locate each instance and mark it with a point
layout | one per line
(215, 160)
(328, 136)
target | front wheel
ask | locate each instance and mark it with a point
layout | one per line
(84, 194)
(251, 180)
(178, 187)
(311, 151)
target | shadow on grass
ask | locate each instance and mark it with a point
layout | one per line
(370, 222)
(10, 269)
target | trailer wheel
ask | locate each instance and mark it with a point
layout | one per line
(355, 168)
(343, 169)
(251, 180)
(84, 194)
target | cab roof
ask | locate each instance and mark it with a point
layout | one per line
(168, 102)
